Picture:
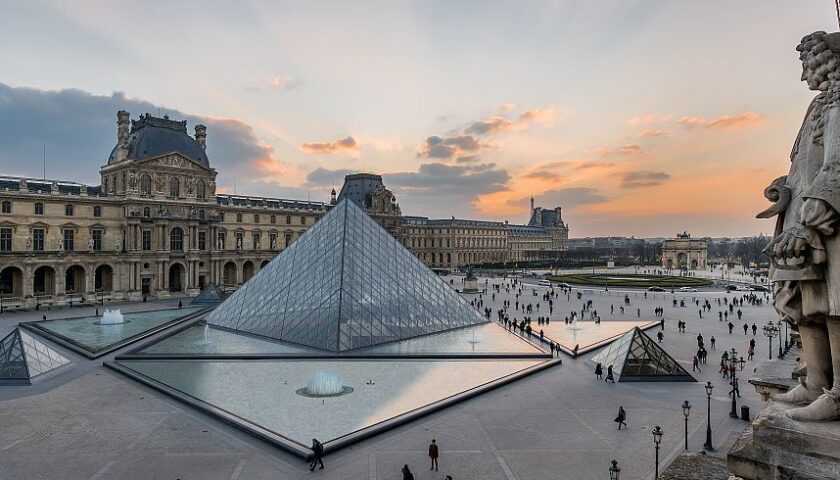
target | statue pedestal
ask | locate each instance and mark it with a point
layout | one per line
(775, 447)
(471, 284)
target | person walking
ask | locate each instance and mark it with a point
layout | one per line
(660, 336)
(610, 375)
(407, 475)
(599, 371)
(318, 453)
(622, 416)
(433, 454)
(712, 340)
(696, 364)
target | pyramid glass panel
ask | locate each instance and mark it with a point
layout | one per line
(635, 357)
(25, 359)
(346, 283)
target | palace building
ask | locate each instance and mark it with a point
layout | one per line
(157, 227)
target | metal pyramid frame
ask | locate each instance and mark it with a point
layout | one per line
(346, 283)
(635, 357)
(25, 360)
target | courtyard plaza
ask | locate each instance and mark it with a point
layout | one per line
(93, 423)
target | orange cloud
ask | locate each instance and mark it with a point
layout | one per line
(497, 123)
(726, 122)
(629, 149)
(538, 115)
(342, 145)
(649, 119)
(653, 132)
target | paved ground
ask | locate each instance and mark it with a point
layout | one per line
(91, 423)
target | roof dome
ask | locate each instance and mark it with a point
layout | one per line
(152, 137)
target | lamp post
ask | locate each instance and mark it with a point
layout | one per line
(686, 408)
(614, 470)
(779, 327)
(734, 365)
(708, 445)
(657, 439)
(770, 331)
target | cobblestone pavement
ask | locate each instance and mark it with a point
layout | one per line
(91, 423)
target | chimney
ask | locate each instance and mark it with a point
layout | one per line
(122, 128)
(201, 136)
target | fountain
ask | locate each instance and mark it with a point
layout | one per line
(324, 383)
(206, 333)
(573, 324)
(112, 317)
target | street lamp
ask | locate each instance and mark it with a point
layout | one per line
(734, 364)
(657, 439)
(708, 445)
(686, 408)
(614, 470)
(770, 331)
(779, 327)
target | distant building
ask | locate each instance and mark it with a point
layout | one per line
(684, 252)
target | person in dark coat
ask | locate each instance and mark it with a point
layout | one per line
(622, 416)
(599, 371)
(433, 454)
(317, 453)
(407, 475)
(609, 375)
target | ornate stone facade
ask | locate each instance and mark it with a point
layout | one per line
(155, 226)
(684, 252)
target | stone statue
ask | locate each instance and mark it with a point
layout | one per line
(28, 242)
(90, 244)
(221, 243)
(59, 243)
(160, 183)
(132, 180)
(190, 185)
(274, 244)
(239, 244)
(805, 250)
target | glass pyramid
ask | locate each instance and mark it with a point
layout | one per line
(25, 360)
(345, 284)
(635, 357)
(210, 295)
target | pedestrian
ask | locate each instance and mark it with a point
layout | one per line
(622, 416)
(433, 454)
(609, 375)
(731, 326)
(660, 336)
(407, 475)
(599, 371)
(713, 342)
(696, 364)
(180, 305)
(317, 453)
(754, 328)
(745, 328)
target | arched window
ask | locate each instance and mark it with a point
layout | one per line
(147, 212)
(97, 211)
(174, 187)
(68, 210)
(39, 208)
(176, 239)
(7, 206)
(200, 190)
(145, 185)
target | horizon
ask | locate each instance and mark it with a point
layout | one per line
(465, 109)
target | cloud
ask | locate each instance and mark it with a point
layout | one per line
(594, 165)
(629, 149)
(649, 119)
(724, 122)
(79, 131)
(641, 179)
(464, 147)
(279, 83)
(342, 145)
(562, 197)
(497, 123)
(322, 177)
(506, 107)
(653, 132)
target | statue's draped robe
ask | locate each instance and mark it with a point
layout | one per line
(807, 294)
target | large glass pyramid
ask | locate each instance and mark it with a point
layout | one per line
(25, 360)
(345, 284)
(635, 357)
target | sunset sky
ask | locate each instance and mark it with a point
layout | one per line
(638, 117)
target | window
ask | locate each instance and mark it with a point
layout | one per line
(288, 239)
(97, 211)
(239, 217)
(145, 185)
(220, 240)
(68, 210)
(201, 215)
(257, 241)
(256, 218)
(5, 239)
(174, 187)
(69, 240)
(38, 239)
(96, 236)
(273, 241)
(240, 240)
(7, 206)
(176, 239)
(303, 220)
(147, 240)
(288, 219)
(39, 208)
(200, 189)
(202, 240)
(274, 219)
(147, 212)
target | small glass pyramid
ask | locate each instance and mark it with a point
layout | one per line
(25, 360)
(345, 284)
(209, 295)
(635, 357)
